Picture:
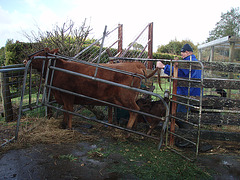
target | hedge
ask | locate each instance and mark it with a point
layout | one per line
(17, 52)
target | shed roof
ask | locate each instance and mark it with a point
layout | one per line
(222, 42)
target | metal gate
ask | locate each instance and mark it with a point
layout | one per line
(191, 102)
(45, 101)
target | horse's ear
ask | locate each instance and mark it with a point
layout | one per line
(47, 50)
(54, 51)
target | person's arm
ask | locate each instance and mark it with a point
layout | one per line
(167, 69)
(160, 65)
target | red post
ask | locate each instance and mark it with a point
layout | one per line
(174, 105)
(150, 45)
(120, 38)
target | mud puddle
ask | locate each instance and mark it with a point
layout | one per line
(56, 161)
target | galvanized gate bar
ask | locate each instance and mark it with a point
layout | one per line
(105, 123)
(104, 81)
(189, 80)
(21, 102)
(75, 57)
(99, 56)
(123, 54)
(112, 83)
(9, 69)
(116, 84)
(105, 102)
(95, 65)
(120, 85)
(105, 50)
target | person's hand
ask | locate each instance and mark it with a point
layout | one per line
(160, 65)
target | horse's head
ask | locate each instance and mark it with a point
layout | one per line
(37, 62)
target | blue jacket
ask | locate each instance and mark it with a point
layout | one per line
(184, 73)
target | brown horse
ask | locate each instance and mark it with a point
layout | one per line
(91, 88)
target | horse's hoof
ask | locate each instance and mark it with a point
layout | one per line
(64, 126)
(127, 135)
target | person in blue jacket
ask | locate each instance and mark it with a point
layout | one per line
(187, 54)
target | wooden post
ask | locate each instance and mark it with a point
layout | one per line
(150, 45)
(200, 54)
(212, 54)
(6, 98)
(231, 58)
(174, 105)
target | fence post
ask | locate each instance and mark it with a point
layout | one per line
(174, 105)
(231, 58)
(120, 39)
(150, 45)
(6, 97)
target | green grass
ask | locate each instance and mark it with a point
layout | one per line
(39, 112)
(26, 99)
(157, 90)
(146, 162)
(69, 157)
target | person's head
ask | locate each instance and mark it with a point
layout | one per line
(186, 51)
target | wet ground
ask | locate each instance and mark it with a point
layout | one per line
(52, 161)
(227, 167)
(72, 161)
(48, 162)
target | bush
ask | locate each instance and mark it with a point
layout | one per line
(2, 56)
(15, 53)
(164, 56)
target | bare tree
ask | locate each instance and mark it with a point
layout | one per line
(68, 38)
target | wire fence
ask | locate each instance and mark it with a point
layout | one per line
(114, 46)
(11, 92)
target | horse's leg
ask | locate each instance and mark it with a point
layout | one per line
(110, 115)
(132, 119)
(68, 102)
(65, 119)
(49, 110)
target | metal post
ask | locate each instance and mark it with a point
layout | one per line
(104, 34)
(22, 96)
(40, 83)
(84, 50)
(30, 87)
(189, 85)
(200, 110)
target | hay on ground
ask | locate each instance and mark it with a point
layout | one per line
(49, 131)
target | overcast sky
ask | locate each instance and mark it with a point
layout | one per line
(173, 19)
